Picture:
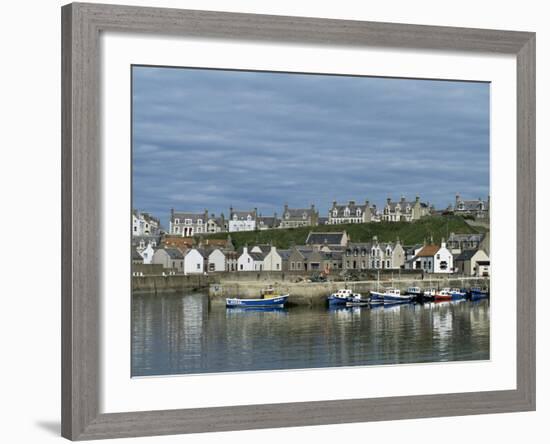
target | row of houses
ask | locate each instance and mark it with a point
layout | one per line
(190, 224)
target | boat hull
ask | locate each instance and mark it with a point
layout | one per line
(477, 295)
(276, 302)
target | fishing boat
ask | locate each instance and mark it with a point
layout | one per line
(390, 296)
(414, 291)
(268, 299)
(342, 296)
(443, 295)
(429, 294)
(477, 293)
(458, 294)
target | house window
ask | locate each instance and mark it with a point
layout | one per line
(187, 221)
(135, 228)
(278, 266)
(199, 221)
(439, 256)
(198, 266)
(292, 265)
(241, 266)
(387, 264)
(176, 221)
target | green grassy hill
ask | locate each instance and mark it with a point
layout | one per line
(409, 233)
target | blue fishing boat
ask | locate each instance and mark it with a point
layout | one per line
(457, 294)
(342, 296)
(390, 296)
(269, 299)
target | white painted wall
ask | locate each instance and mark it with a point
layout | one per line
(193, 262)
(245, 261)
(216, 259)
(273, 261)
(443, 260)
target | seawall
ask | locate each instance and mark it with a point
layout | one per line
(315, 293)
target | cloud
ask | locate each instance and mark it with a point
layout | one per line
(213, 138)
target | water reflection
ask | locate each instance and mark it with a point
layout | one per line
(183, 334)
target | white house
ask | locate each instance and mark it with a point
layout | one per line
(242, 220)
(144, 224)
(271, 259)
(216, 260)
(245, 262)
(147, 254)
(193, 262)
(433, 259)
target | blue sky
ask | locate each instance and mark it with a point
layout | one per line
(212, 139)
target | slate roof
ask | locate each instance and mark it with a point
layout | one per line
(183, 215)
(331, 238)
(174, 253)
(298, 213)
(257, 256)
(242, 215)
(466, 255)
(285, 254)
(269, 221)
(471, 205)
(473, 237)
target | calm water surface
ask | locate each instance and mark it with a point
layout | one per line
(177, 334)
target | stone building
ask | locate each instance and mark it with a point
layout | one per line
(170, 258)
(331, 240)
(299, 217)
(373, 255)
(404, 211)
(351, 213)
(467, 262)
(479, 209)
(457, 243)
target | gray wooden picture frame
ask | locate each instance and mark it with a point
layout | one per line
(81, 231)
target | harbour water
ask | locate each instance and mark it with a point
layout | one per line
(184, 334)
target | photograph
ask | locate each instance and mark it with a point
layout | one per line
(289, 220)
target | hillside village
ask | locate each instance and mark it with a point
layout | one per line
(203, 243)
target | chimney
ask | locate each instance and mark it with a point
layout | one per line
(351, 203)
(443, 244)
(312, 207)
(388, 200)
(171, 213)
(367, 203)
(417, 198)
(231, 211)
(375, 238)
(457, 198)
(402, 198)
(333, 203)
(286, 207)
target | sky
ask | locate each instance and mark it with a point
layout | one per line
(211, 139)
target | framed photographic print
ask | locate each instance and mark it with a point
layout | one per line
(278, 221)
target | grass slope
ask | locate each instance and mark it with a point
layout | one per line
(437, 227)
